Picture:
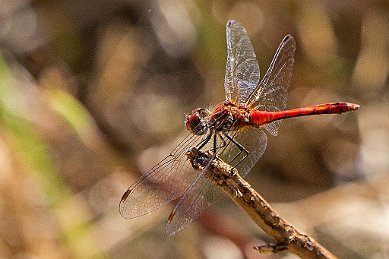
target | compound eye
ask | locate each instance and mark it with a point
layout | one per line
(194, 121)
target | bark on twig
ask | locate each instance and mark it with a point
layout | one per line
(285, 235)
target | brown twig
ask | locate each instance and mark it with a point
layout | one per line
(286, 236)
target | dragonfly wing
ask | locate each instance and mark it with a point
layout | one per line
(192, 203)
(271, 93)
(255, 142)
(242, 69)
(202, 193)
(164, 182)
(196, 198)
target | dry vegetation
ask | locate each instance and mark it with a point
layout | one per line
(92, 93)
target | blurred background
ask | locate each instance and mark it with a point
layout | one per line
(91, 92)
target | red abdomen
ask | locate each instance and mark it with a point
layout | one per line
(259, 118)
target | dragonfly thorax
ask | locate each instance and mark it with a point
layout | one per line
(227, 116)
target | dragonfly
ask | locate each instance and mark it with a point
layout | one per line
(232, 131)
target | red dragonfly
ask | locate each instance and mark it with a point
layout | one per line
(231, 131)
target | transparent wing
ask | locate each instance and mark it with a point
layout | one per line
(201, 194)
(271, 93)
(164, 182)
(255, 142)
(242, 70)
(192, 203)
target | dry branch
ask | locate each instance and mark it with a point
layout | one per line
(285, 235)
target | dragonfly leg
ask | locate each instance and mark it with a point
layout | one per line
(239, 146)
(223, 142)
(214, 145)
(204, 141)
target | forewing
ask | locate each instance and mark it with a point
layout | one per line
(272, 91)
(242, 70)
(255, 142)
(164, 182)
(192, 203)
(202, 193)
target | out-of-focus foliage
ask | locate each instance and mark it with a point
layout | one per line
(93, 92)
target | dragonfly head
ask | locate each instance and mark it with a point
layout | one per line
(196, 123)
